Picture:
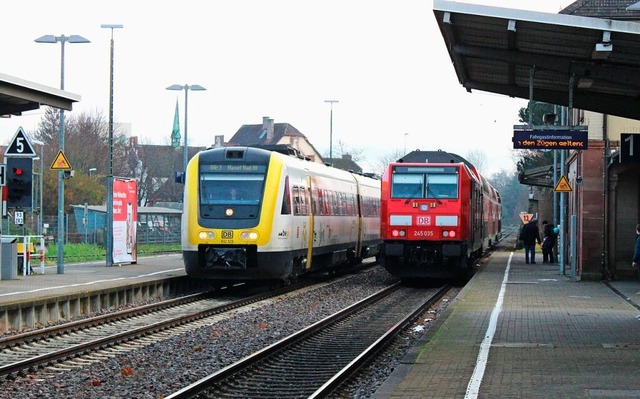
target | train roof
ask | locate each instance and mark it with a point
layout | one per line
(289, 154)
(439, 156)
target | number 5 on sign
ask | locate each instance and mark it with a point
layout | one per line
(20, 146)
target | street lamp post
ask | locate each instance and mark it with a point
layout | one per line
(186, 89)
(91, 170)
(405, 143)
(39, 221)
(331, 128)
(109, 213)
(41, 176)
(62, 40)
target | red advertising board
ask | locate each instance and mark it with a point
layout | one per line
(125, 217)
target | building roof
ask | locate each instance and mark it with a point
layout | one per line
(345, 163)
(257, 134)
(613, 9)
(19, 95)
(496, 49)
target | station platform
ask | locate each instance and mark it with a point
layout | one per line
(46, 296)
(521, 330)
(87, 276)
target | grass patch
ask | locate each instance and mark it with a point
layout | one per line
(74, 253)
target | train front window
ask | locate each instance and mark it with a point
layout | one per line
(442, 186)
(407, 185)
(412, 185)
(231, 188)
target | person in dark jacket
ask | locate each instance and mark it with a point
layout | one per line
(530, 236)
(548, 242)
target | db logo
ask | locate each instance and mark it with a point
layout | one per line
(423, 220)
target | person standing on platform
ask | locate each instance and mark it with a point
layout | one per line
(548, 242)
(530, 236)
(636, 254)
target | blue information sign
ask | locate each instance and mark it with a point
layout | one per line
(550, 139)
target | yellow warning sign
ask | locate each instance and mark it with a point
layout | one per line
(61, 162)
(563, 185)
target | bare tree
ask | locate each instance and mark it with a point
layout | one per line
(383, 162)
(478, 159)
(86, 146)
(341, 148)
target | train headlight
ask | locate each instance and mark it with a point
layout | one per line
(249, 235)
(449, 233)
(228, 212)
(206, 235)
(398, 233)
(452, 233)
(445, 233)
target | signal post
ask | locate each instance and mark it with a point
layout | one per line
(16, 179)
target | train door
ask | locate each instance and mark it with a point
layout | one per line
(359, 214)
(311, 228)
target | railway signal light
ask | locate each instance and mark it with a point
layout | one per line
(19, 182)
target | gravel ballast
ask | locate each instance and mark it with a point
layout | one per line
(160, 368)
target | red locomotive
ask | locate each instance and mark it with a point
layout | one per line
(438, 214)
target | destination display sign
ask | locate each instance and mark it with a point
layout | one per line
(550, 139)
(233, 168)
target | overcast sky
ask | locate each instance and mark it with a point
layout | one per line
(384, 61)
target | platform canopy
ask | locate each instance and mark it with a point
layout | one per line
(18, 95)
(494, 50)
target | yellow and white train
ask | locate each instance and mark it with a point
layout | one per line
(251, 214)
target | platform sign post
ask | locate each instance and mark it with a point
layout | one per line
(125, 218)
(526, 217)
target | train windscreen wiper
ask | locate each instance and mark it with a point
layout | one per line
(412, 196)
(429, 192)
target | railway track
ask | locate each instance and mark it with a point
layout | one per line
(318, 359)
(62, 346)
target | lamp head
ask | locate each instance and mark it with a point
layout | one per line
(46, 39)
(77, 39)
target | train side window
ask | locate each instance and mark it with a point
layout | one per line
(286, 198)
(407, 186)
(296, 200)
(320, 207)
(336, 204)
(303, 201)
(352, 206)
(347, 204)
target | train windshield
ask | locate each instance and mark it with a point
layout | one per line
(424, 182)
(231, 188)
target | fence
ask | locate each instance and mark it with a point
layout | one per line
(78, 231)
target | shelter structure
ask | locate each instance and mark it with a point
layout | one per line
(19, 95)
(589, 64)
